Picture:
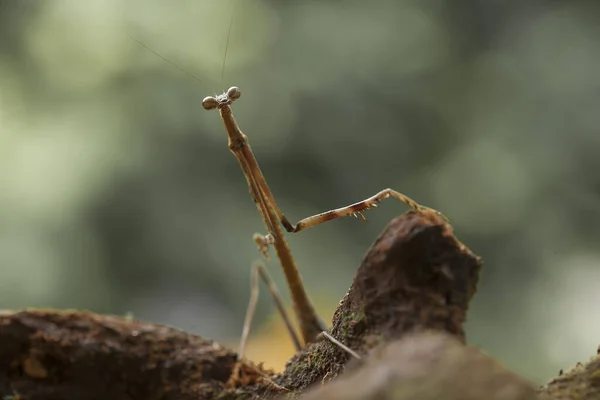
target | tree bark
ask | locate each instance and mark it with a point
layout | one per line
(403, 314)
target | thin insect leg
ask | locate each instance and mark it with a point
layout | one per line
(341, 345)
(259, 270)
(264, 274)
(357, 209)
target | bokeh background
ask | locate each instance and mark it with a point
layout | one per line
(118, 193)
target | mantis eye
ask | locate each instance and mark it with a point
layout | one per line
(234, 93)
(210, 103)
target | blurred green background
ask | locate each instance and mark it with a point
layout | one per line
(118, 193)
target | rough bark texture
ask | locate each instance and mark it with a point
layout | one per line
(416, 276)
(77, 355)
(403, 313)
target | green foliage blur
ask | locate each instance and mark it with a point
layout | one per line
(118, 193)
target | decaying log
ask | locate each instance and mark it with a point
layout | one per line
(416, 276)
(403, 313)
(77, 355)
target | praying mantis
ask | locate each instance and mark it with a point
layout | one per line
(311, 326)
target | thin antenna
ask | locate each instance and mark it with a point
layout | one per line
(227, 46)
(165, 59)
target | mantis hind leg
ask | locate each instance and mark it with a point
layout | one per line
(260, 270)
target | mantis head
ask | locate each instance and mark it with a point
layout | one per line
(222, 100)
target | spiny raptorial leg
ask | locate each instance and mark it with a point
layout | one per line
(357, 210)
